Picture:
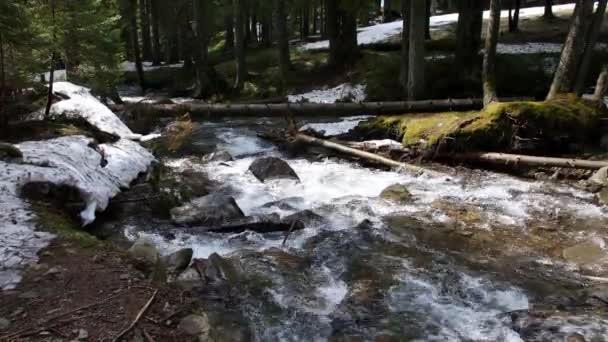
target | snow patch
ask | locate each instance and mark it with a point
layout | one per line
(345, 91)
(335, 128)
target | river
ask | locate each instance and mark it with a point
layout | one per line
(471, 246)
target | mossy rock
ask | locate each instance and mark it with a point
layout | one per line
(58, 222)
(565, 124)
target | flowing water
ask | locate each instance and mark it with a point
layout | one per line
(471, 246)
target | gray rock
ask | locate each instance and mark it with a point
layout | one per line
(4, 323)
(218, 156)
(600, 177)
(195, 325)
(211, 209)
(177, 262)
(397, 193)
(306, 218)
(268, 168)
(603, 196)
(145, 255)
(259, 223)
(289, 203)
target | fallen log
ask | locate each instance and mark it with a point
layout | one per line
(299, 137)
(313, 109)
(518, 159)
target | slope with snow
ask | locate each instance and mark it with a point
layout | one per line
(97, 173)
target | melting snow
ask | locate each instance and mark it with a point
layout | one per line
(345, 91)
(70, 161)
(335, 128)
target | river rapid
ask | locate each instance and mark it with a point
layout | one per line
(453, 264)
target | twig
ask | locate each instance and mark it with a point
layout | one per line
(148, 337)
(137, 318)
(293, 223)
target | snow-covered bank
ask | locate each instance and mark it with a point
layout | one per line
(345, 91)
(381, 32)
(70, 161)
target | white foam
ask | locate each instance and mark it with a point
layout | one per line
(345, 91)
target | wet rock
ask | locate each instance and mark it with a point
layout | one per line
(211, 209)
(144, 254)
(397, 193)
(603, 196)
(268, 168)
(10, 153)
(306, 218)
(290, 203)
(600, 177)
(195, 325)
(4, 323)
(259, 223)
(178, 261)
(189, 279)
(218, 156)
(585, 253)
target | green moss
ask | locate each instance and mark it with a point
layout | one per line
(57, 222)
(557, 126)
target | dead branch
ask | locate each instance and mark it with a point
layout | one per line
(137, 318)
(518, 159)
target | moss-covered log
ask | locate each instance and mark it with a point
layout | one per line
(565, 124)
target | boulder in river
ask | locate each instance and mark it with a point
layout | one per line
(217, 156)
(212, 210)
(259, 223)
(397, 193)
(306, 218)
(177, 262)
(600, 177)
(268, 168)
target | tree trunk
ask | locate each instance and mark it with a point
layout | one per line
(229, 25)
(145, 29)
(468, 35)
(49, 97)
(3, 114)
(518, 159)
(201, 43)
(427, 26)
(156, 49)
(489, 58)
(254, 29)
(514, 15)
(305, 21)
(324, 19)
(548, 10)
(405, 46)
(342, 29)
(387, 11)
(135, 42)
(267, 29)
(315, 14)
(592, 37)
(283, 43)
(565, 75)
(239, 33)
(416, 86)
(602, 84)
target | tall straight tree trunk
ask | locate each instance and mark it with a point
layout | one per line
(468, 35)
(592, 36)
(416, 86)
(135, 42)
(283, 43)
(267, 29)
(3, 113)
(254, 28)
(323, 19)
(427, 26)
(49, 97)
(489, 58)
(156, 48)
(239, 34)
(514, 15)
(548, 10)
(201, 42)
(144, 16)
(332, 29)
(342, 30)
(565, 75)
(314, 17)
(601, 88)
(387, 11)
(305, 20)
(405, 46)
(229, 25)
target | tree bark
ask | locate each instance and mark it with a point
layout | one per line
(283, 43)
(342, 30)
(229, 37)
(387, 11)
(548, 10)
(135, 42)
(602, 84)
(239, 28)
(518, 159)
(205, 78)
(49, 97)
(468, 35)
(427, 24)
(145, 29)
(305, 28)
(405, 46)
(565, 75)
(156, 48)
(514, 15)
(416, 86)
(592, 37)
(489, 58)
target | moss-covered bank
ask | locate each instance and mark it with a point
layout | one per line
(566, 124)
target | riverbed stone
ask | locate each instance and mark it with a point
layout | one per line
(217, 156)
(397, 193)
(144, 254)
(268, 168)
(585, 253)
(600, 177)
(212, 209)
(177, 262)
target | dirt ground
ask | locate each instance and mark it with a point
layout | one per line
(89, 294)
